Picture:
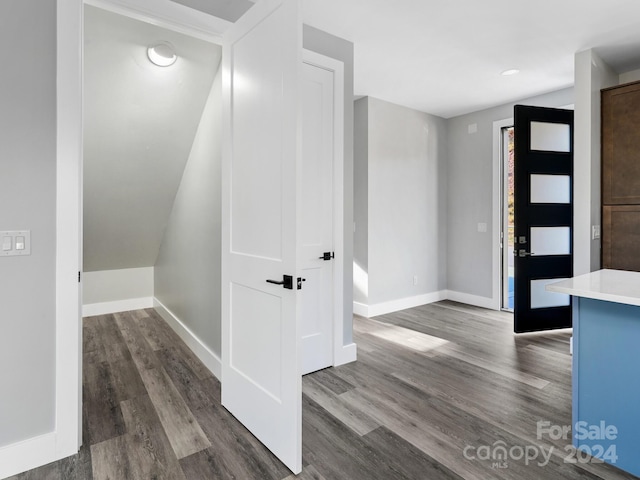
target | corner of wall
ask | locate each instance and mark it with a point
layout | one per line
(111, 291)
(591, 75)
(197, 346)
(360, 203)
(187, 269)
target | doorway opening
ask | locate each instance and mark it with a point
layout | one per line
(507, 229)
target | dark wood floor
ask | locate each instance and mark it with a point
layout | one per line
(434, 389)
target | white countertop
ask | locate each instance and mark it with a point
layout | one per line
(610, 285)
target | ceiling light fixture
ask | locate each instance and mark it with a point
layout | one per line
(511, 71)
(162, 54)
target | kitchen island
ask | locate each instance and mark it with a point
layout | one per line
(606, 366)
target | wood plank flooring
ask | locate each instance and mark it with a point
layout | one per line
(434, 389)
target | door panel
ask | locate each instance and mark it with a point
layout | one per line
(543, 216)
(316, 219)
(550, 188)
(261, 381)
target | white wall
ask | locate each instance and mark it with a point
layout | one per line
(591, 75)
(187, 271)
(471, 171)
(28, 201)
(628, 77)
(361, 203)
(109, 291)
(406, 205)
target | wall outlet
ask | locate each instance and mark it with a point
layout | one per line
(595, 232)
(415, 279)
(482, 227)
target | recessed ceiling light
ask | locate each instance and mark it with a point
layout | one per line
(511, 71)
(162, 54)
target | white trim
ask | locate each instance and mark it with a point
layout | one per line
(116, 306)
(498, 177)
(369, 311)
(484, 302)
(361, 309)
(346, 354)
(170, 15)
(337, 68)
(68, 426)
(400, 304)
(197, 346)
(22, 456)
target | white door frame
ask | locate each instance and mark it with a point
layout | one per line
(67, 437)
(337, 68)
(496, 279)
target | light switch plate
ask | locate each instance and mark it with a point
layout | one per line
(13, 235)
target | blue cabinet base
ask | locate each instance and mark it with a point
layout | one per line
(606, 381)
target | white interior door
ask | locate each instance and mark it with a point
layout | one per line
(261, 380)
(316, 219)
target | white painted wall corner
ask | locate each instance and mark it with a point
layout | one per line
(396, 305)
(116, 306)
(369, 311)
(475, 300)
(206, 356)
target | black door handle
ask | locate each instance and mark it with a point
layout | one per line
(286, 282)
(326, 256)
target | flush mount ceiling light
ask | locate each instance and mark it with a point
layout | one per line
(162, 54)
(511, 71)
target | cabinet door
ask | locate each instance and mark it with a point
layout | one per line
(621, 145)
(621, 237)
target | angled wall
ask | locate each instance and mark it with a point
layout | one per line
(187, 271)
(140, 122)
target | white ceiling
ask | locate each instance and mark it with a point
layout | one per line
(139, 126)
(445, 56)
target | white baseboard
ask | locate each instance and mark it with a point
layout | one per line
(28, 454)
(396, 305)
(475, 300)
(127, 305)
(361, 309)
(348, 354)
(206, 356)
(369, 311)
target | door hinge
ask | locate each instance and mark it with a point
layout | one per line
(79, 277)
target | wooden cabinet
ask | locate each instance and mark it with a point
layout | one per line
(621, 145)
(621, 237)
(621, 177)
